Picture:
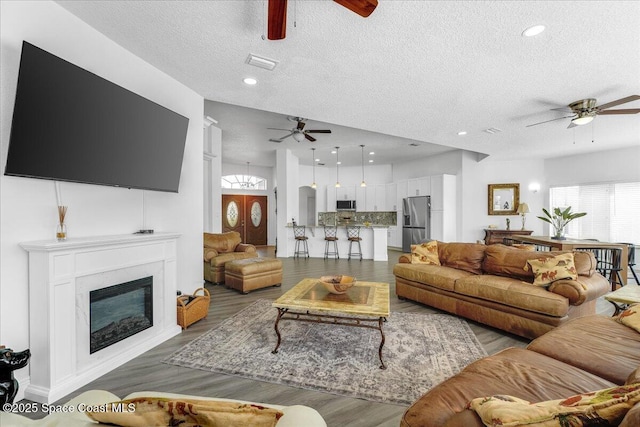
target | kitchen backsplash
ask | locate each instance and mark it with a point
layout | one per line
(346, 217)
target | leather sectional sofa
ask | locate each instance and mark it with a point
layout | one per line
(583, 355)
(221, 248)
(489, 284)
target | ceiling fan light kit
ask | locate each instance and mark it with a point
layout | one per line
(585, 110)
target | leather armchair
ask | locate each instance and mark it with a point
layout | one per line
(220, 248)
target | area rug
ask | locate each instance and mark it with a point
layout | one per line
(420, 351)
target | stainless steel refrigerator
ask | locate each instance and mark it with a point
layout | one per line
(416, 226)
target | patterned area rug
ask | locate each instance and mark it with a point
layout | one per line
(420, 351)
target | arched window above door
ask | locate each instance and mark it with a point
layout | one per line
(243, 182)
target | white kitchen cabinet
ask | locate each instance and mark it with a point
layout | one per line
(381, 198)
(331, 198)
(424, 186)
(346, 192)
(390, 196)
(412, 187)
(370, 198)
(361, 198)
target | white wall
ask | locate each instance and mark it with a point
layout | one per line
(28, 208)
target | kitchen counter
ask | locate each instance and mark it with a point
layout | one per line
(373, 243)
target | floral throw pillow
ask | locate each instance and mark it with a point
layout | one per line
(631, 317)
(598, 408)
(547, 270)
(425, 253)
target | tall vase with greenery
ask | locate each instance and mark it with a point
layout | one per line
(559, 220)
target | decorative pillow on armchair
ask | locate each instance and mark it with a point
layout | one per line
(547, 270)
(631, 317)
(425, 253)
(599, 408)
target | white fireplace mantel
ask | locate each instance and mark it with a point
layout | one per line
(61, 275)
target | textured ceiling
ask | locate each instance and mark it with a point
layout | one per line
(414, 71)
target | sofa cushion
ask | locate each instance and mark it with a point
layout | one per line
(514, 293)
(433, 275)
(223, 258)
(222, 242)
(634, 376)
(425, 253)
(547, 270)
(514, 371)
(161, 411)
(596, 344)
(602, 407)
(630, 317)
(463, 256)
(502, 260)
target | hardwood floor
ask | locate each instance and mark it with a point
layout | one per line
(146, 372)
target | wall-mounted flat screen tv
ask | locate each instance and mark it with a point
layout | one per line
(72, 125)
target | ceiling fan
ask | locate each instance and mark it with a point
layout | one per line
(298, 132)
(585, 110)
(277, 19)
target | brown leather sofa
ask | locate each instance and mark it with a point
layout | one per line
(488, 284)
(221, 248)
(583, 355)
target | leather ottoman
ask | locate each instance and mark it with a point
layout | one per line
(253, 273)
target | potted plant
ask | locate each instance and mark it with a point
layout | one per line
(559, 220)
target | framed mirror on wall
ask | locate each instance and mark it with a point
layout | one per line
(504, 199)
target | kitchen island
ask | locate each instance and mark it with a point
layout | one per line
(374, 241)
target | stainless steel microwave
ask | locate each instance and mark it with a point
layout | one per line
(345, 205)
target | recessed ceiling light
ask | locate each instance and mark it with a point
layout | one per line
(333, 151)
(317, 160)
(370, 160)
(462, 133)
(533, 31)
(371, 153)
(250, 81)
(338, 163)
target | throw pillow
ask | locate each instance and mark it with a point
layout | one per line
(548, 270)
(602, 407)
(425, 253)
(631, 317)
(158, 411)
(634, 377)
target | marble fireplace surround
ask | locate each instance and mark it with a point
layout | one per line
(61, 275)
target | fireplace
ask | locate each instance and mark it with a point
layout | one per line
(120, 311)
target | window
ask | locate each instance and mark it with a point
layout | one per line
(243, 182)
(613, 210)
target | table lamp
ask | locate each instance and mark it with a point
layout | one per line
(523, 209)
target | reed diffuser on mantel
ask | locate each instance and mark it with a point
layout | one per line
(61, 230)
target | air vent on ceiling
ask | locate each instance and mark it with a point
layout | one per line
(261, 62)
(413, 144)
(492, 130)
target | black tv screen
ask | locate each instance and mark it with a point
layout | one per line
(72, 125)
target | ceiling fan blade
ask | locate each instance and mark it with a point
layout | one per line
(318, 131)
(363, 8)
(277, 20)
(565, 109)
(571, 125)
(301, 125)
(624, 111)
(283, 137)
(275, 140)
(552, 120)
(310, 138)
(618, 102)
(286, 130)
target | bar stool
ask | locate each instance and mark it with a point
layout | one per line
(353, 235)
(330, 236)
(302, 247)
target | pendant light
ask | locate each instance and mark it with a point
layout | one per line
(362, 184)
(313, 163)
(337, 168)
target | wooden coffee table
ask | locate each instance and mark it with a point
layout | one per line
(365, 305)
(623, 297)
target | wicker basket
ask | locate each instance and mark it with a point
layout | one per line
(192, 308)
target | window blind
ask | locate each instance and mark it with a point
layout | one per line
(613, 210)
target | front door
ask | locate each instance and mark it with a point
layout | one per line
(247, 215)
